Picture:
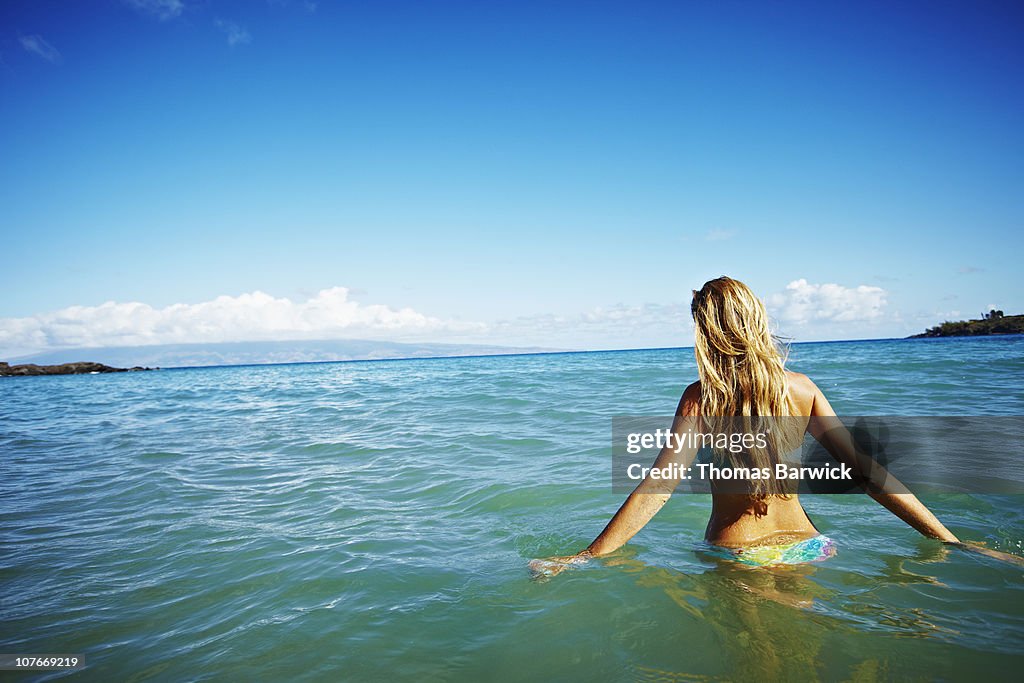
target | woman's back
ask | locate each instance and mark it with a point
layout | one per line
(739, 519)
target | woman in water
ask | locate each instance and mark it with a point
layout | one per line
(742, 373)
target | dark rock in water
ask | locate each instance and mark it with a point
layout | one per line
(62, 369)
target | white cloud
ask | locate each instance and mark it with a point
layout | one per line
(40, 48)
(237, 35)
(617, 326)
(161, 9)
(803, 302)
(719, 235)
(308, 5)
(254, 316)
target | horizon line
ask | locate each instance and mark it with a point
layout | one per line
(513, 353)
(563, 352)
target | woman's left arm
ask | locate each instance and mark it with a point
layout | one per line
(645, 501)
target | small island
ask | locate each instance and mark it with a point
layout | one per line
(993, 322)
(83, 368)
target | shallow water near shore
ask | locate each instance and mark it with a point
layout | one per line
(372, 520)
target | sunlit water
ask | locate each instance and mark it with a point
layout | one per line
(366, 521)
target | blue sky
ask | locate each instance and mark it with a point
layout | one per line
(557, 174)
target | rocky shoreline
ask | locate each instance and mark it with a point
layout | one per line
(993, 323)
(83, 368)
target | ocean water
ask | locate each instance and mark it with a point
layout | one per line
(374, 520)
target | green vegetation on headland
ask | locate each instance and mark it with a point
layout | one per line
(993, 322)
(62, 369)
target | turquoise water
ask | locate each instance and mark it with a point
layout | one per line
(369, 521)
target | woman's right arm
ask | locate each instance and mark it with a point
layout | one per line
(881, 485)
(889, 491)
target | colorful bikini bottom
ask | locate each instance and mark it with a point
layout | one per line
(815, 549)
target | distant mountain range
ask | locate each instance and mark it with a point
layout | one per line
(260, 353)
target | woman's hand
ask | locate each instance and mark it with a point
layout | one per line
(975, 547)
(552, 566)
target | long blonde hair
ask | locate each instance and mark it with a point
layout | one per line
(742, 372)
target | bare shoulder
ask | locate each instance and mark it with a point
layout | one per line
(692, 391)
(689, 404)
(799, 381)
(802, 390)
